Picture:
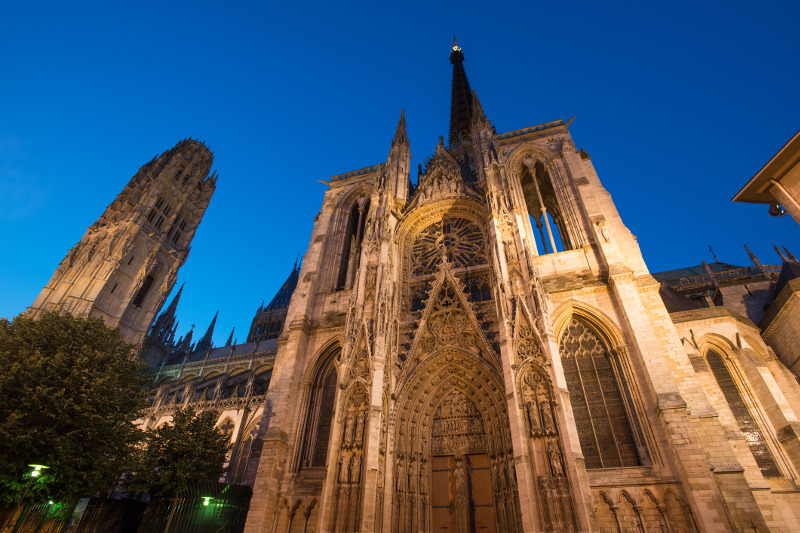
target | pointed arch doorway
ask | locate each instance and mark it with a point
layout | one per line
(461, 481)
(453, 468)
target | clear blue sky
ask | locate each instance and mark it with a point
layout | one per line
(678, 105)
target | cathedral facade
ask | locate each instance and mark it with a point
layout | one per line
(482, 351)
(487, 351)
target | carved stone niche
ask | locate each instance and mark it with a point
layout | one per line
(537, 404)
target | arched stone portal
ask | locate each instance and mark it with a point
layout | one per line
(454, 466)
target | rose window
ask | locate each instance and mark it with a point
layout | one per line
(459, 239)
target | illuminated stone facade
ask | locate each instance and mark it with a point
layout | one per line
(484, 351)
(487, 351)
(127, 262)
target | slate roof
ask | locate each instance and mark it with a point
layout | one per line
(239, 349)
(284, 294)
(676, 301)
(698, 270)
(790, 271)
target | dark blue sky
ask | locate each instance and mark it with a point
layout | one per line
(678, 105)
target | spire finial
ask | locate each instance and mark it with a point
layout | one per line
(460, 98)
(756, 262)
(780, 253)
(710, 249)
(753, 257)
(206, 343)
(791, 256)
(478, 116)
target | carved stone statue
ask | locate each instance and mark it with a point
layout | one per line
(533, 416)
(412, 477)
(547, 416)
(399, 483)
(423, 478)
(344, 469)
(459, 475)
(555, 459)
(355, 469)
(359, 439)
(348, 430)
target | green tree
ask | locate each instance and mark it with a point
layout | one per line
(189, 450)
(70, 389)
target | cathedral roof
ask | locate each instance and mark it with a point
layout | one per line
(676, 301)
(698, 270)
(789, 271)
(284, 294)
(225, 351)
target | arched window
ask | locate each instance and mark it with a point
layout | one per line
(319, 416)
(546, 214)
(351, 250)
(744, 419)
(261, 383)
(143, 290)
(603, 429)
(244, 462)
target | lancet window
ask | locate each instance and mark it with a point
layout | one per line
(143, 290)
(244, 462)
(604, 430)
(743, 416)
(158, 214)
(547, 216)
(319, 417)
(351, 249)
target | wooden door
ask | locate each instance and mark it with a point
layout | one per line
(461, 494)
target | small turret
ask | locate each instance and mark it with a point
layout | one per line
(206, 342)
(398, 162)
(163, 330)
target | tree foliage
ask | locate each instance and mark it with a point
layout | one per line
(69, 392)
(189, 450)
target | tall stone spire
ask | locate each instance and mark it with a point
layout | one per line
(400, 136)
(184, 345)
(397, 164)
(478, 116)
(173, 305)
(461, 97)
(206, 342)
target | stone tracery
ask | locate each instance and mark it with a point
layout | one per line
(459, 240)
(556, 508)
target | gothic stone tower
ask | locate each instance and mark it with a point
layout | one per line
(488, 352)
(127, 262)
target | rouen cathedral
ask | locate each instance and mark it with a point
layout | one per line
(481, 349)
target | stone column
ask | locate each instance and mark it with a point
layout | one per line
(282, 396)
(372, 446)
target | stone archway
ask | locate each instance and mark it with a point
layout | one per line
(454, 465)
(461, 481)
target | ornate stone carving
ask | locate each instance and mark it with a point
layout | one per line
(460, 240)
(528, 344)
(457, 426)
